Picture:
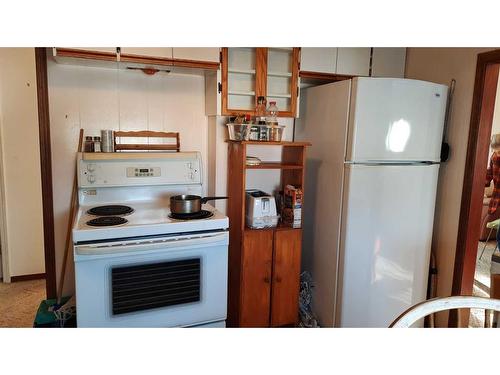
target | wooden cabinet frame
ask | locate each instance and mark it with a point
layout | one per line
(263, 277)
(261, 55)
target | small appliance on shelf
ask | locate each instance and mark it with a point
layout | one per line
(260, 210)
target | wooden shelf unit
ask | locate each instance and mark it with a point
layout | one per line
(264, 264)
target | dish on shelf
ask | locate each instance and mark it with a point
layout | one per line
(252, 160)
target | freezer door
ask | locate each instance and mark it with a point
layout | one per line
(395, 119)
(387, 222)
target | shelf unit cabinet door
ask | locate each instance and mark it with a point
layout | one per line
(282, 72)
(319, 60)
(239, 80)
(388, 62)
(157, 52)
(353, 61)
(256, 278)
(286, 277)
(197, 53)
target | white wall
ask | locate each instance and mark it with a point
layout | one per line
(100, 98)
(23, 232)
(440, 65)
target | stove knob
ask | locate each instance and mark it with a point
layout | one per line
(91, 178)
(90, 167)
(191, 176)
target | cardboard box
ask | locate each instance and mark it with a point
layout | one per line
(293, 197)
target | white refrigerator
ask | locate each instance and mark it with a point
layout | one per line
(370, 194)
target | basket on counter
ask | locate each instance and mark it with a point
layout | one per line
(255, 132)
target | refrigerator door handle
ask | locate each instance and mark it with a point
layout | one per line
(391, 163)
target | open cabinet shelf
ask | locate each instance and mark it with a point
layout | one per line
(264, 264)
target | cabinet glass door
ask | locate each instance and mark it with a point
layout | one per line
(241, 79)
(281, 78)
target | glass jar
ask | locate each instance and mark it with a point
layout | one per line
(272, 114)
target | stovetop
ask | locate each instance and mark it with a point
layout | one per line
(147, 218)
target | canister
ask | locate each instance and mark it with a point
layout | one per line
(107, 141)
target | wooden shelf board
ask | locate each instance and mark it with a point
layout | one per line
(242, 93)
(272, 143)
(274, 165)
(241, 71)
(270, 95)
(129, 155)
(279, 74)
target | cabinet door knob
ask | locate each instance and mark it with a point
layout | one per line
(267, 280)
(278, 279)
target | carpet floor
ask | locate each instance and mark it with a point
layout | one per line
(19, 302)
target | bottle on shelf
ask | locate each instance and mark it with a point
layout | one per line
(88, 146)
(260, 111)
(272, 114)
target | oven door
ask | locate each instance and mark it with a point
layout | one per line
(172, 281)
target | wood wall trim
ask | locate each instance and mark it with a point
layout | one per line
(46, 169)
(475, 172)
(89, 55)
(205, 65)
(323, 76)
(33, 276)
(141, 59)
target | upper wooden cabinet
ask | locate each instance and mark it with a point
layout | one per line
(388, 62)
(320, 60)
(353, 61)
(248, 73)
(197, 53)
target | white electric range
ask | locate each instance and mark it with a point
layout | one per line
(136, 265)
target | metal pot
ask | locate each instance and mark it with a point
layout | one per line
(188, 204)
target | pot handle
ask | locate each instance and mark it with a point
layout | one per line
(206, 199)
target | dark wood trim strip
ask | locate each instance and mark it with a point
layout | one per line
(34, 276)
(474, 176)
(206, 65)
(46, 169)
(89, 55)
(323, 76)
(140, 59)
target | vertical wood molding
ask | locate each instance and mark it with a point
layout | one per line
(485, 87)
(46, 169)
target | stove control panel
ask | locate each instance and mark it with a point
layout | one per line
(143, 172)
(161, 169)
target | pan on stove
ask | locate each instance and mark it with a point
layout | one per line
(188, 204)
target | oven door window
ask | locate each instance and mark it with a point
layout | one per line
(154, 285)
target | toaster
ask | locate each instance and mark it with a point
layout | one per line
(260, 209)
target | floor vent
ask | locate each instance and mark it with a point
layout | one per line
(149, 286)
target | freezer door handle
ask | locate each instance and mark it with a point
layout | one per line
(392, 163)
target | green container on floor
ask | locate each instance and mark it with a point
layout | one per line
(45, 318)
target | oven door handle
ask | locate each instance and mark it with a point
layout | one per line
(156, 244)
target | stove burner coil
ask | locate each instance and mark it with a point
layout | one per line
(107, 221)
(110, 210)
(203, 214)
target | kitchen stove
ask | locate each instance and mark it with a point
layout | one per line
(148, 268)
